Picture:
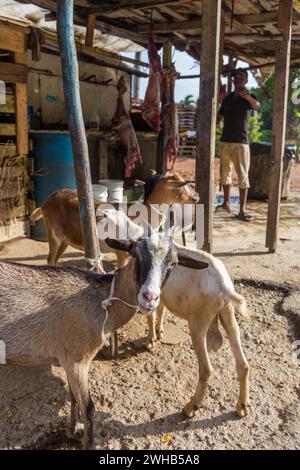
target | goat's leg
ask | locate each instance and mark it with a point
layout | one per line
(54, 244)
(78, 381)
(160, 321)
(76, 426)
(231, 327)
(61, 249)
(151, 338)
(205, 368)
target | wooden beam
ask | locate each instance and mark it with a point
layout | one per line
(90, 28)
(12, 40)
(280, 103)
(206, 122)
(166, 63)
(262, 18)
(221, 52)
(108, 7)
(65, 31)
(21, 103)
(14, 73)
(171, 26)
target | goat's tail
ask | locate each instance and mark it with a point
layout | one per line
(36, 215)
(240, 302)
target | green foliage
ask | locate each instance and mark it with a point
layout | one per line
(255, 123)
(188, 100)
(265, 94)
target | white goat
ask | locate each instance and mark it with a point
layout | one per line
(200, 297)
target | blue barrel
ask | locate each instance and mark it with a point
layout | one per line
(53, 169)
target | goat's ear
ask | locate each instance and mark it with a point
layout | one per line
(122, 245)
(191, 263)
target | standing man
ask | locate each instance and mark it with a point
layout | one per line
(236, 109)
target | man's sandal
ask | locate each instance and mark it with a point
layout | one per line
(222, 209)
(243, 216)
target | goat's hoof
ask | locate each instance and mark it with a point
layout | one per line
(242, 409)
(189, 410)
(78, 429)
(159, 334)
(149, 345)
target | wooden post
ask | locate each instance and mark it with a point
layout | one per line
(229, 78)
(280, 103)
(90, 27)
(65, 31)
(206, 123)
(167, 62)
(21, 104)
(221, 50)
(136, 79)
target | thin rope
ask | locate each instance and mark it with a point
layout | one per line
(108, 302)
(96, 263)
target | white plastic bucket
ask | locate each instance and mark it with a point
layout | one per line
(115, 190)
(100, 192)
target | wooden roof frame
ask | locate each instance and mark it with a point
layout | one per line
(273, 20)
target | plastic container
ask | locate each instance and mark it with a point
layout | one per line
(100, 192)
(115, 190)
(53, 170)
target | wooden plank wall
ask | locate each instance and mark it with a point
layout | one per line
(14, 136)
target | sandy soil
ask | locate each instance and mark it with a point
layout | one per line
(186, 167)
(139, 397)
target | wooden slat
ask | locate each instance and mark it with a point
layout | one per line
(280, 102)
(108, 7)
(171, 26)
(11, 40)
(7, 129)
(90, 28)
(9, 106)
(14, 73)
(21, 111)
(206, 124)
(7, 150)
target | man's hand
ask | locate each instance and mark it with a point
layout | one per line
(244, 93)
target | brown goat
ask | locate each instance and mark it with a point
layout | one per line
(69, 313)
(61, 214)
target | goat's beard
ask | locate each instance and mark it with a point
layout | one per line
(145, 311)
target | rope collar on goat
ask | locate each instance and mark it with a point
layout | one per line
(108, 302)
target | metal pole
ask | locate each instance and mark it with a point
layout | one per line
(65, 33)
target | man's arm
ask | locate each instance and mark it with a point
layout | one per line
(253, 102)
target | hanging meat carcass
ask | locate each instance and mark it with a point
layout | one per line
(170, 118)
(122, 126)
(151, 109)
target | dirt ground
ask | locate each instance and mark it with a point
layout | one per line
(139, 397)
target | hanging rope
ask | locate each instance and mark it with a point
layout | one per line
(108, 302)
